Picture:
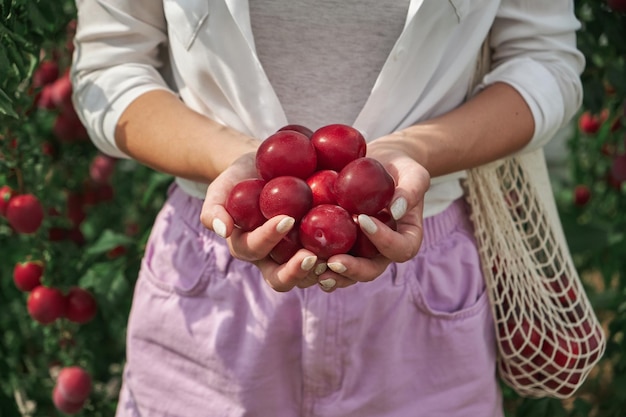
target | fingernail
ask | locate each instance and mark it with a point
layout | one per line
(308, 263)
(367, 224)
(320, 268)
(285, 225)
(219, 227)
(337, 267)
(328, 283)
(398, 208)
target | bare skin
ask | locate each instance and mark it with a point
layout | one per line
(496, 123)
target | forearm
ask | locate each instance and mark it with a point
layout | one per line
(495, 123)
(160, 131)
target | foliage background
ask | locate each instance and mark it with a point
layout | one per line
(38, 157)
(35, 157)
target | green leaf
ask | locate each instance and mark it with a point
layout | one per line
(100, 276)
(118, 289)
(16, 58)
(107, 241)
(5, 65)
(6, 105)
(20, 40)
(40, 24)
(156, 181)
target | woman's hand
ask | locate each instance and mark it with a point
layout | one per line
(301, 270)
(304, 268)
(407, 206)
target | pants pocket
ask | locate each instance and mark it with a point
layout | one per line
(178, 258)
(446, 279)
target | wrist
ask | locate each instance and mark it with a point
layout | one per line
(411, 142)
(222, 147)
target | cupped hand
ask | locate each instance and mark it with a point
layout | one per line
(304, 269)
(301, 270)
(407, 207)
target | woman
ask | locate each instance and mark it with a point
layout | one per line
(192, 87)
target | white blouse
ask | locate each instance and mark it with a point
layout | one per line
(210, 61)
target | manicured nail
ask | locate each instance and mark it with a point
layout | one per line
(320, 268)
(367, 224)
(219, 227)
(328, 283)
(285, 225)
(398, 208)
(337, 267)
(308, 263)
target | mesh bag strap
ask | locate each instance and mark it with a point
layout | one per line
(548, 336)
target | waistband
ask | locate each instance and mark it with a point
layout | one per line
(452, 218)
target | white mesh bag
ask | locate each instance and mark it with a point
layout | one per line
(548, 335)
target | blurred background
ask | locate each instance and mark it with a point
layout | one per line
(72, 240)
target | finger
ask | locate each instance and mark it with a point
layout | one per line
(412, 182)
(313, 277)
(213, 214)
(215, 218)
(330, 281)
(352, 269)
(258, 243)
(399, 245)
(308, 281)
(295, 272)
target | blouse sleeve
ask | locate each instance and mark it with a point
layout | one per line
(534, 50)
(118, 56)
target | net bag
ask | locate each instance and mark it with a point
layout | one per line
(547, 333)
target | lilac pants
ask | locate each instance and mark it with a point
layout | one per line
(208, 337)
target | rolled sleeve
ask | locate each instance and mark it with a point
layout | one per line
(118, 57)
(534, 51)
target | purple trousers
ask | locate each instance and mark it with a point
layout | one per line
(208, 337)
